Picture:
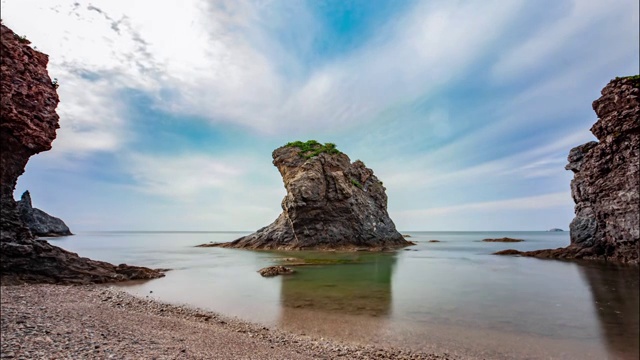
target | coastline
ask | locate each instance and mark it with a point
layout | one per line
(101, 322)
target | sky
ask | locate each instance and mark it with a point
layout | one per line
(466, 110)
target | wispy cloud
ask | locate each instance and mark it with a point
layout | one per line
(567, 34)
(181, 177)
(531, 202)
(210, 62)
(452, 103)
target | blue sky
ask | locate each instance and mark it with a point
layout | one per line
(466, 110)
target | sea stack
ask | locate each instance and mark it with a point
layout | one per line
(606, 181)
(39, 222)
(331, 204)
(28, 123)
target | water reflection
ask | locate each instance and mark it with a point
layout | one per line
(359, 288)
(339, 298)
(616, 299)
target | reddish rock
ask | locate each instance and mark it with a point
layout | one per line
(607, 181)
(28, 101)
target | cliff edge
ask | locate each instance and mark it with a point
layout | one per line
(331, 203)
(607, 181)
(28, 101)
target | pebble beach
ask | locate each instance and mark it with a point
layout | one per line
(101, 322)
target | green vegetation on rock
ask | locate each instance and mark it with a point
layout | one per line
(634, 78)
(23, 39)
(356, 183)
(313, 148)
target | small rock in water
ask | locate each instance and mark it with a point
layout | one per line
(507, 252)
(274, 271)
(504, 239)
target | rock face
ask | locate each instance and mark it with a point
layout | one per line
(331, 203)
(39, 222)
(606, 181)
(28, 126)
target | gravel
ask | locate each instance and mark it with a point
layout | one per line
(97, 322)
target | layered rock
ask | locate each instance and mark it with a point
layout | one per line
(37, 261)
(39, 222)
(28, 125)
(606, 181)
(331, 203)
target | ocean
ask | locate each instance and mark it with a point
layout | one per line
(451, 296)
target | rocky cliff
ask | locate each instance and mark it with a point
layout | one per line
(606, 181)
(331, 203)
(28, 101)
(39, 222)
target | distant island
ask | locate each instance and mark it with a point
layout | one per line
(555, 229)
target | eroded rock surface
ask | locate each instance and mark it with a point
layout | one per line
(606, 181)
(28, 125)
(39, 222)
(331, 203)
(275, 271)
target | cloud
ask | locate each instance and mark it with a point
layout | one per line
(553, 200)
(215, 61)
(451, 102)
(182, 177)
(591, 18)
(93, 121)
(430, 172)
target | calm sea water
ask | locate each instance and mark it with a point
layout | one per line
(449, 296)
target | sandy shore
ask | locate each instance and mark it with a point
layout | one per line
(95, 322)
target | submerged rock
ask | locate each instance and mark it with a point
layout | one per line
(507, 252)
(504, 239)
(331, 203)
(28, 101)
(274, 271)
(607, 181)
(39, 222)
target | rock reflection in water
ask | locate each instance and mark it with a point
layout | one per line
(616, 300)
(362, 287)
(334, 300)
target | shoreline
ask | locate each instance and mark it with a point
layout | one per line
(102, 322)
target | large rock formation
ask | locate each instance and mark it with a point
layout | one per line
(606, 181)
(39, 222)
(28, 125)
(331, 203)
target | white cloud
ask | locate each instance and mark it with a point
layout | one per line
(216, 61)
(91, 121)
(553, 200)
(430, 172)
(182, 177)
(584, 17)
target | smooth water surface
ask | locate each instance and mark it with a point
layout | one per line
(452, 295)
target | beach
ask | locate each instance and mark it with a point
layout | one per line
(101, 322)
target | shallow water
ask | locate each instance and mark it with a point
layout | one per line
(449, 296)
